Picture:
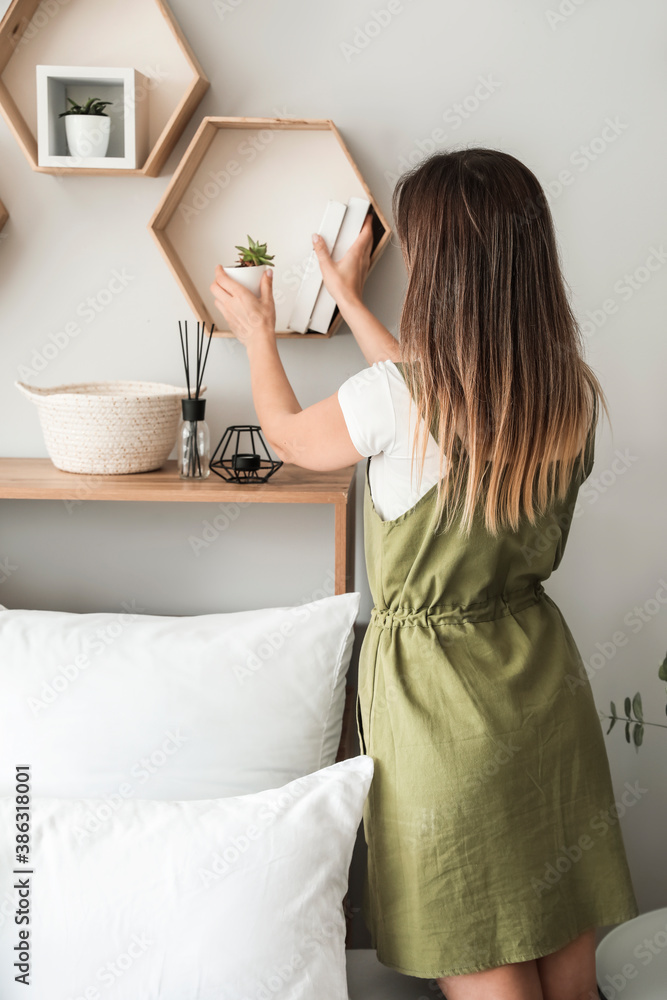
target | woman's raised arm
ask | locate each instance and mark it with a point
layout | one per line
(314, 438)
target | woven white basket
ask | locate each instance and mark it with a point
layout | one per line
(108, 428)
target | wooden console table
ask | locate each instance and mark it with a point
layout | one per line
(38, 479)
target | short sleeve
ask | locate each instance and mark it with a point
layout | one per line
(368, 409)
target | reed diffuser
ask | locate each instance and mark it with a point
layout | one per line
(194, 442)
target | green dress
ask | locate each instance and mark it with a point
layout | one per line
(491, 828)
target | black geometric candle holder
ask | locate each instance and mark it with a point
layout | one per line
(240, 458)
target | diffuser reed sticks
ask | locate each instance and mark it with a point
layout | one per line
(201, 335)
(194, 440)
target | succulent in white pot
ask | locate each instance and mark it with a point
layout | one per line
(252, 262)
(87, 127)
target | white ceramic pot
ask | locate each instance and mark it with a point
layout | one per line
(87, 135)
(249, 277)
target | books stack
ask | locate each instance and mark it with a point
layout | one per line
(314, 307)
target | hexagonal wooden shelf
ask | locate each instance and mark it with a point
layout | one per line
(269, 178)
(34, 32)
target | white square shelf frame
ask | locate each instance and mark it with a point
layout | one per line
(125, 86)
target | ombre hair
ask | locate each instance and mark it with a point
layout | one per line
(488, 339)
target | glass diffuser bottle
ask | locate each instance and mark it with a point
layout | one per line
(194, 441)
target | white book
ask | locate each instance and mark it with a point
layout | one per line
(357, 210)
(311, 282)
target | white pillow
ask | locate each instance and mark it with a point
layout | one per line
(227, 899)
(125, 705)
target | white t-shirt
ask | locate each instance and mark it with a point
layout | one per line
(376, 407)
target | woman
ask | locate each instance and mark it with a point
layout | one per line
(493, 848)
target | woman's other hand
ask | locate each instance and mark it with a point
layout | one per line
(344, 279)
(249, 316)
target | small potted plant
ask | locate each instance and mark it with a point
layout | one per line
(252, 262)
(87, 127)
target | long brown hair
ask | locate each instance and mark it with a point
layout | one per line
(489, 342)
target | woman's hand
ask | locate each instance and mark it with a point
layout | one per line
(247, 315)
(344, 279)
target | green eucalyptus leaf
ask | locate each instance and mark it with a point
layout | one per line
(611, 726)
(662, 672)
(637, 706)
(613, 709)
(627, 732)
(628, 705)
(638, 734)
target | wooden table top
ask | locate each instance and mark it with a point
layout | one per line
(38, 479)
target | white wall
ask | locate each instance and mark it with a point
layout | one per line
(547, 87)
